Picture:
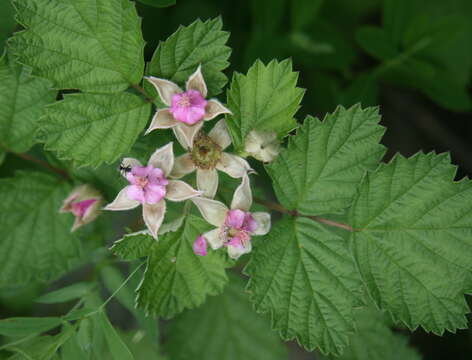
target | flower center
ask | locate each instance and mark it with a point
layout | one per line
(147, 184)
(205, 152)
(184, 101)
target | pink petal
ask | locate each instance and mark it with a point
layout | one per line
(200, 246)
(235, 218)
(249, 225)
(135, 192)
(80, 208)
(154, 193)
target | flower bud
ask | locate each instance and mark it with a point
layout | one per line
(200, 246)
(84, 202)
(262, 145)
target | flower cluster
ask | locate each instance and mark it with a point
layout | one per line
(151, 185)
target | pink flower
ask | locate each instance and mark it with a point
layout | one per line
(206, 156)
(200, 246)
(148, 184)
(235, 226)
(150, 188)
(84, 203)
(187, 109)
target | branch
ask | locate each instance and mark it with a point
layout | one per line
(42, 163)
(142, 92)
(279, 208)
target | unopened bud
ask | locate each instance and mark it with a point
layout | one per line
(262, 145)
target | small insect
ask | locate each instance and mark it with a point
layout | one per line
(124, 169)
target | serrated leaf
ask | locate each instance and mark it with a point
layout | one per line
(267, 98)
(91, 129)
(65, 294)
(413, 242)
(24, 326)
(375, 340)
(175, 278)
(304, 275)
(200, 43)
(321, 168)
(22, 102)
(133, 246)
(92, 46)
(225, 328)
(36, 242)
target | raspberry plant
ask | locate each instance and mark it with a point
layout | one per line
(348, 247)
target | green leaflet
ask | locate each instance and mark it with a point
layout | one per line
(200, 43)
(266, 98)
(133, 246)
(225, 328)
(413, 242)
(321, 168)
(67, 293)
(116, 346)
(36, 243)
(94, 128)
(175, 278)
(375, 340)
(304, 275)
(92, 46)
(22, 102)
(27, 325)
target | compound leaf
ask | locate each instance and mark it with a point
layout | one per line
(93, 46)
(304, 275)
(321, 168)
(200, 43)
(175, 278)
(91, 129)
(267, 98)
(413, 241)
(22, 102)
(36, 241)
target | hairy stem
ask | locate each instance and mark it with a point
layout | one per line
(39, 162)
(143, 92)
(279, 208)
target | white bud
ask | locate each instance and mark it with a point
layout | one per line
(262, 145)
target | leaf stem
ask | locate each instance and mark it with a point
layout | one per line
(279, 208)
(39, 162)
(143, 92)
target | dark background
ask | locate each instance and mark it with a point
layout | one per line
(424, 96)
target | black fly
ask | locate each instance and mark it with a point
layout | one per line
(124, 169)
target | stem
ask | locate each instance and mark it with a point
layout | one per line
(279, 208)
(142, 92)
(39, 162)
(120, 287)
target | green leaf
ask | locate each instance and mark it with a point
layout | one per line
(116, 346)
(375, 340)
(413, 242)
(36, 240)
(92, 129)
(175, 278)
(133, 246)
(92, 46)
(67, 293)
(22, 102)
(200, 43)
(159, 3)
(24, 326)
(266, 98)
(376, 42)
(226, 328)
(304, 275)
(8, 23)
(321, 168)
(43, 347)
